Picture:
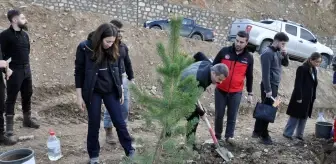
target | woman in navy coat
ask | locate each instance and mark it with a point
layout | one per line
(97, 78)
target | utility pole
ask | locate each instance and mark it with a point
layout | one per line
(137, 14)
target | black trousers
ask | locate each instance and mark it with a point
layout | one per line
(20, 81)
(261, 126)
(193, 121)
(2, 106)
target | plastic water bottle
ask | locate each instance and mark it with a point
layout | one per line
(54, 147)
(320, 117)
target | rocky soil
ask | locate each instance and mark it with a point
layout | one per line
(54, 38)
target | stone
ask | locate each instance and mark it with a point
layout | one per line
(242, 155)
(256, 155)
(142, 4)
(160, 7)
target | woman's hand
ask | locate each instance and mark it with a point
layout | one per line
(80, 102)
(9, 73)
(122, 98)
(3, 64)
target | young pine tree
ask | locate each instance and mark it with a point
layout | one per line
(171, 108)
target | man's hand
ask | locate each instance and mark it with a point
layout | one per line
(132, 81)
(9, 73)
(250, 99)
(334, 145)
(3, 64)
(199, 110)
(208, 89)
(277, 102)
(269, 94)
(283, 51)
(299, 101)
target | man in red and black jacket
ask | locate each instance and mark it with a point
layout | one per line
(229, 92)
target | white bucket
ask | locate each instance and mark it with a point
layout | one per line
(18, 156)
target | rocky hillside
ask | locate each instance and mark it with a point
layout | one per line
(54, 38)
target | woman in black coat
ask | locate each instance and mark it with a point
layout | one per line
(304, 94)
(98, 78)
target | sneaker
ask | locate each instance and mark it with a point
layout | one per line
(299, 138)
(255, 135)
(288, 137)
(230, 140)
(267, 140)
(131, 154)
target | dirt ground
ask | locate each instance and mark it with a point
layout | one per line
(54, 38)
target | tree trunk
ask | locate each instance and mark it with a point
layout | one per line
(157, 153)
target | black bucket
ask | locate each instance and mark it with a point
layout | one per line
(322, 130)
(18, 156)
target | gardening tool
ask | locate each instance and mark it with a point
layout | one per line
(222, 151)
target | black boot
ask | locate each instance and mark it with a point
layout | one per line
(8, 138)
(4, 139)
(28, 122)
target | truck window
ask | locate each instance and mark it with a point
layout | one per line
(306, 35)
(290, 29)
(266, 22)
(187, 21)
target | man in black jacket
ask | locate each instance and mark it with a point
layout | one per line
(206, 74)
(15, 44)
(273, 57)
(4, 139)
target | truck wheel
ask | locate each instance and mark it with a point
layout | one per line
(263, 46)
(196, 37)
(156, 27)
(325, 61)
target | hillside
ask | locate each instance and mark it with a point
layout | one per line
(319, 16)
(54, 38)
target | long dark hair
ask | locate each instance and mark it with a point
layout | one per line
(99, 53)
(314, 56)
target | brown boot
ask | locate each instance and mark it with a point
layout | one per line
(8, 138)
(109, 136)
(28, 122)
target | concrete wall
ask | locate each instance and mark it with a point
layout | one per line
(137, 12)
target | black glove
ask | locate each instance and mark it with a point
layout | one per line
(199, 111)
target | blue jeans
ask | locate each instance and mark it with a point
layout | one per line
(295, 123)
(124, 107)
(232, 102)
(112, 104)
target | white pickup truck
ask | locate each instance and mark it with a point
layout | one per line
(302, 43)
